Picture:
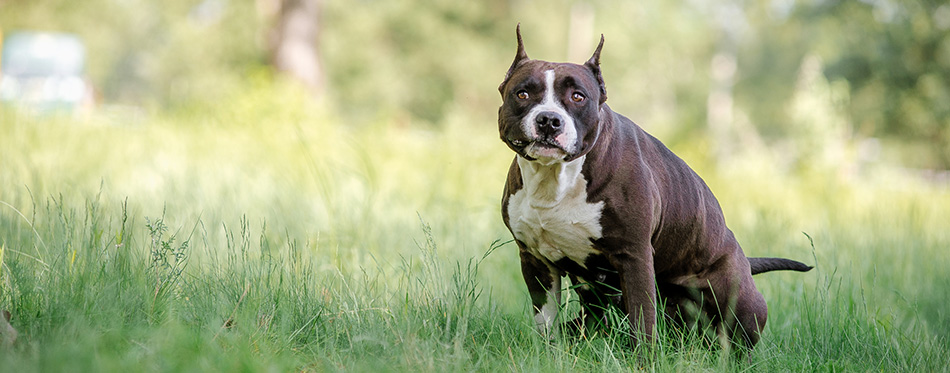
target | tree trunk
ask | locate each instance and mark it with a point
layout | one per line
(293, 40)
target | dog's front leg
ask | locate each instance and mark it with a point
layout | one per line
(544, 286)
(638, 289)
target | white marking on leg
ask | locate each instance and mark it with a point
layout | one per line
(545, 316)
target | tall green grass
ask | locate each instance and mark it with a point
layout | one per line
(267, 236)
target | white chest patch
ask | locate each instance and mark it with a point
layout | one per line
(550, 213)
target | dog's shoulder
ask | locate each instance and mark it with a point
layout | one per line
(512, 186)
(514, 182)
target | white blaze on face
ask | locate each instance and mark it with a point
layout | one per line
(567, 139)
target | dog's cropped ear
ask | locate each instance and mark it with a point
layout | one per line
(594, 65)
(520, 57)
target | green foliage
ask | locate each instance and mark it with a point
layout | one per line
(154, 53)
(434, 60)
(893, 59)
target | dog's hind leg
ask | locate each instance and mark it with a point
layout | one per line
(747, 315)
(732, 300)
(681, 304)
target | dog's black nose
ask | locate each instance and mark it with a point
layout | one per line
(549, 122)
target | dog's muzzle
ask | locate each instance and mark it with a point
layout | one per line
(549, 124)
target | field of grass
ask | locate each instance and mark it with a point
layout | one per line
(267, 235)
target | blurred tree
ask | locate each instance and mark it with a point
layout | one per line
(416, 59)
(892, 57)
(895, 57)
(292, 40)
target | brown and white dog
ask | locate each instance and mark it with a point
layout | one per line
(592, 196)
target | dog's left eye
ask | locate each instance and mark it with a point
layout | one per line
(523, 95)
(577, 97)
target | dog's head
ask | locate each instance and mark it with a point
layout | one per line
(551, 111)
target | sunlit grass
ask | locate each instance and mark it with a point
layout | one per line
(265, 235)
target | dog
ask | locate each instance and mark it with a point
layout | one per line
(592, 196)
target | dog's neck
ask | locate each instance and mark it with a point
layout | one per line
(547, 185)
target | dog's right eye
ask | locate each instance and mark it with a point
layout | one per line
(522, 95)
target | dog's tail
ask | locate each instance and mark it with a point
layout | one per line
(760, 265)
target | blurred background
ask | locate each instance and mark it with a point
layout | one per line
(336, 126)
(839, 82)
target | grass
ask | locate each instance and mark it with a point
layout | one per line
(264, 236)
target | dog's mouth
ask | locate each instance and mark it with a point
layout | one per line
(518, 144)
(547, 143)
(544, 149)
